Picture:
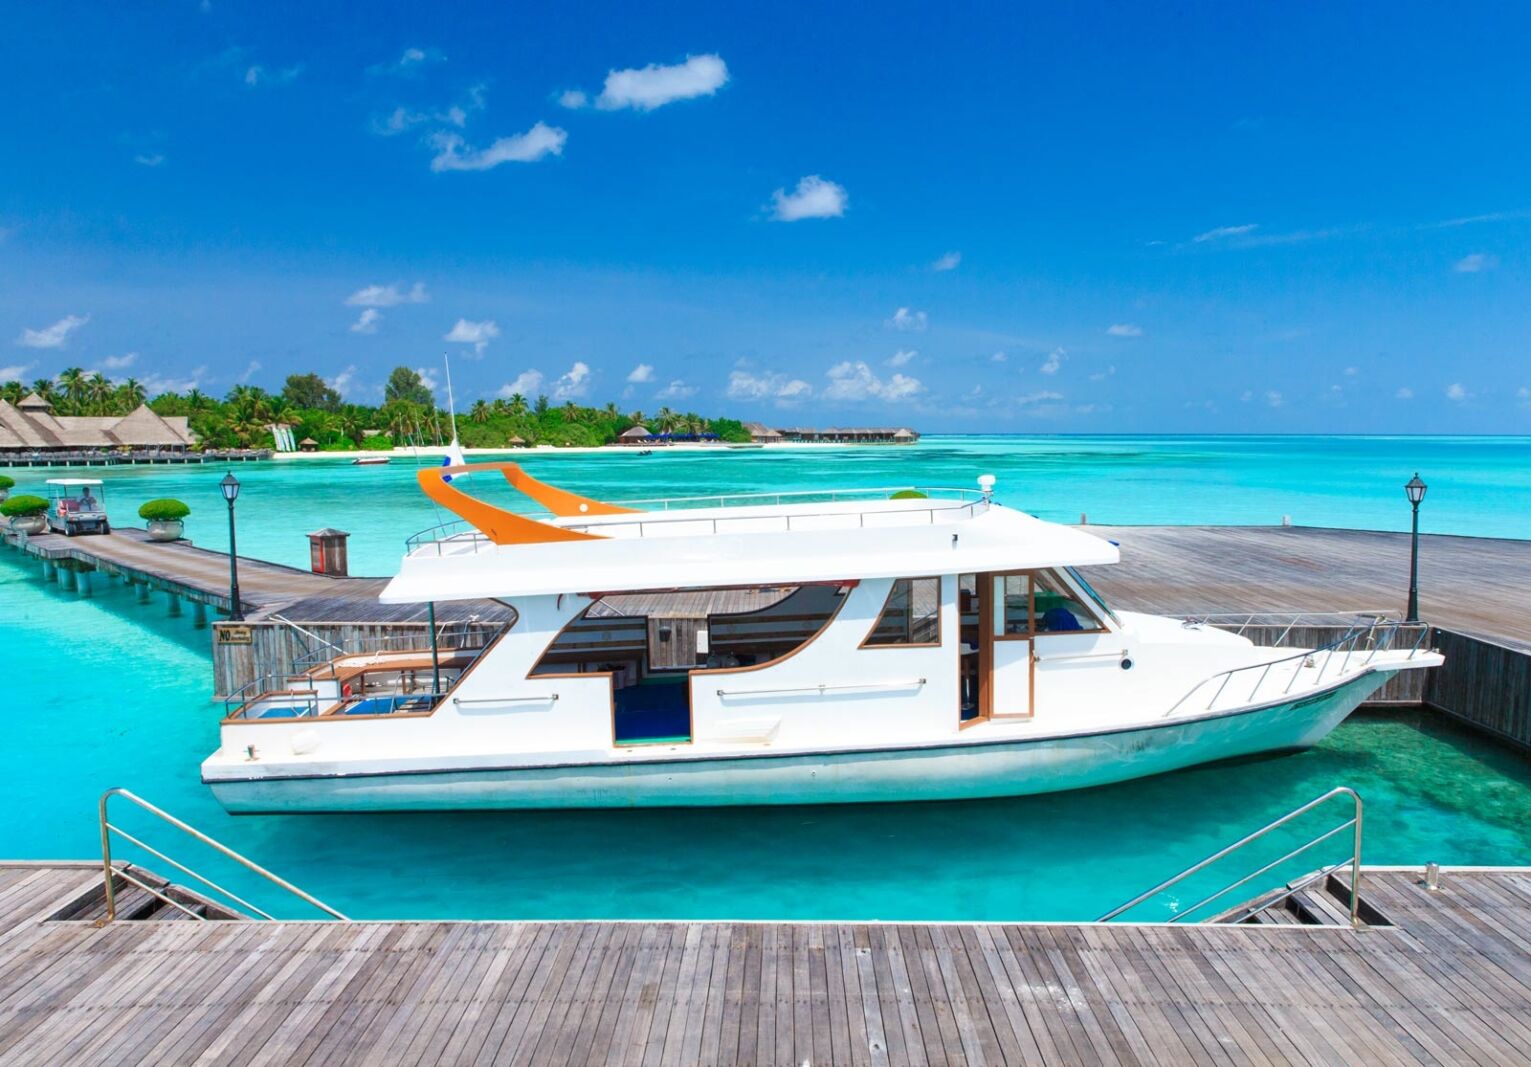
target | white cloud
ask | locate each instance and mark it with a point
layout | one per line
(1054, 361)
(15, 371)
(387, 296)
(121, 362)
(746, 385)
(1044, 396)
(1404, 393)
(259, 75)
(814, 198)
(645, 88)
(1226, 231)
(452, 153)
(53, 336)
(902, 357)
(149, 159)
(409, 62)
(477, 334)
(999, 357)
(428, 377)
(251, 369)
(1476, 263)
(1125, 329)
(1274, 399)
(343, 383)
(1102, 375)
(573, 99)
(367, 322)
(906, 320)
(1522, 394)
(1351, 372)
(527, 383)
(402, 119)
(1458, 392)
(573, 383)
(643, 372)
(155, 384)
(676, 390)
(949, 261)
(855, 381)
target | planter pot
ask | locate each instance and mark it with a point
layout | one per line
(29, 524)
(165, 530)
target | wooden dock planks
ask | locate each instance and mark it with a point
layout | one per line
(1451, 982)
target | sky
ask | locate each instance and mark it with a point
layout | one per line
(1093, 218)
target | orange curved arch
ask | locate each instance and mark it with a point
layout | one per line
(505, 527)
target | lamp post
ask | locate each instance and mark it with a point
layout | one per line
(230, 488)
(1415, 491)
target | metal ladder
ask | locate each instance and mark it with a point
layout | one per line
(113, 872)
(1242, 913)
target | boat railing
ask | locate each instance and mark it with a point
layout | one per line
(269, 687)
(1239, 622)
(1355, 650)
(1353, 861)
(463, 536)
(451, 637)
(112, 872)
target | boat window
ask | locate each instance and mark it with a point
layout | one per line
(1073, 573)
(1017, 603)
(911, 616)
(1058, 610)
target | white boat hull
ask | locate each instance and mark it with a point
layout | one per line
(990, 768)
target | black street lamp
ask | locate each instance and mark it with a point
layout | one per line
(1415, 491)
(230, 489)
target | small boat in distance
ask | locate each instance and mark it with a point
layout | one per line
(371, 461)
(793, 648)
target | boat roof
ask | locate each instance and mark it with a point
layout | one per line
(74, 481)
(783, 541)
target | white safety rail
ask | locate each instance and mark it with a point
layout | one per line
(1255, 683)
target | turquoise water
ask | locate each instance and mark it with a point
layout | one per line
(104, 691)
(1478, 485)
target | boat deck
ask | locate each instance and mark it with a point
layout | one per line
(1449, 982)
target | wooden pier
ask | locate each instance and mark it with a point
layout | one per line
(1448, 982)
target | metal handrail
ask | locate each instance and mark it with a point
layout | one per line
(1347, 643)
(465, 533)
(111, 872)
(1290, 619)
(267, 685)
(449, 638)
(1353, 861)
(822, 688)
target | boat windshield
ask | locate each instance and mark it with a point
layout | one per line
(1073, 572)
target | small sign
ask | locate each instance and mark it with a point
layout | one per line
(234, 635)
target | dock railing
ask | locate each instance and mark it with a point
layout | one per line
(112, 871)
(1353, 861)
(1358, 646)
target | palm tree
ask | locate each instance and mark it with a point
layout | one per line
(570, 412)
(99, 394)
(479, 412)
(196, 399)
(668, 420)
(611, 413)
(498, 407)
(132, 393)
(46, 388)
(72, 382)
(517, 404)
(11, 392)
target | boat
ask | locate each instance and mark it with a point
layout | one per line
(77, 506)
(796, 648)
(371, 461)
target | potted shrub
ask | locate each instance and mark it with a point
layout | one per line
(7, 483)
(164, 518)
(28, 514)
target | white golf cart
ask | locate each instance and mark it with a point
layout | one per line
(76, 506)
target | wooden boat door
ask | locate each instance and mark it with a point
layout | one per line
(1010, 660)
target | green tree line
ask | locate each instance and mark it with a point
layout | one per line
(408, 414)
